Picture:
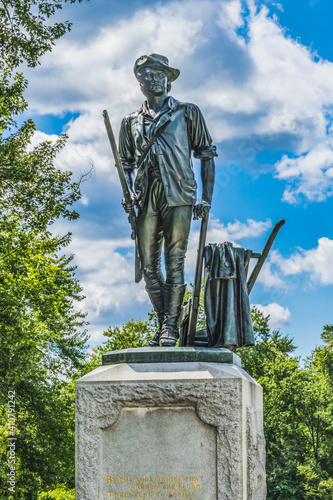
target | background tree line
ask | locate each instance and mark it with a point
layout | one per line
(298, 403)
(43, 337)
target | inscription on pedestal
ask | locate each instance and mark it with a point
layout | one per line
(158, 453)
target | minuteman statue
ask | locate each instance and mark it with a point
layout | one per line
(157, 141)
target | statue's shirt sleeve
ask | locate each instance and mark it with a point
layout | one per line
(126, 145)
(201, 141)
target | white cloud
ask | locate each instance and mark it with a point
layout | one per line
(106, 269)
(107, 276)
(279, 6)
(266, 86)
(299, 271)
(238, 230)
(310, 174)
(271, 278)
(219, 233)
(230, 16)
(279, 315)
(283, 85)
(81, 75)
(316, 262)
(79, 156)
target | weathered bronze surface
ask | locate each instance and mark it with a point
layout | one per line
(157, 142)
(171, 355)
(226, 295)
(154, 163)
(227, 304)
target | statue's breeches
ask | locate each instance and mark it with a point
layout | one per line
(157, 222)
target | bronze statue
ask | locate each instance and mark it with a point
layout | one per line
(157, 142)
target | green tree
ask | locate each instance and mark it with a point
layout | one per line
(42, 338)
(42, 334)
(26, 32)
(60, 493)
(297, 415)
(322, 356)
(12, 101)
(134, 333)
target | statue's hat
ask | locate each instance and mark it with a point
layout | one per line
(156, 61)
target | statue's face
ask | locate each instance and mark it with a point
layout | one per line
(153, 82)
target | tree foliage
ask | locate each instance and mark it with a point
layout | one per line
(134, 333)
(26, 30)
(43, 336)
(12, 101)
(298, 411)
(60, 493)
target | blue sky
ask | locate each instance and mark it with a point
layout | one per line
(262, 73)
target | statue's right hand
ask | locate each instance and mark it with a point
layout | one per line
(128, 206)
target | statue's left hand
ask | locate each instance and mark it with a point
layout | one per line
(200, 210)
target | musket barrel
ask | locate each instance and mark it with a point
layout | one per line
(124, 185)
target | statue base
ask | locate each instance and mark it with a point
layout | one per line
(169, 423)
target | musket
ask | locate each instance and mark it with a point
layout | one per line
(127, 193)
(124, 185)
(195, 300)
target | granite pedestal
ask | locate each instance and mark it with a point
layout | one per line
(169, 423)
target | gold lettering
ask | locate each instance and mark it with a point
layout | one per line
(118, 495)
(160, 486)
(168, 479)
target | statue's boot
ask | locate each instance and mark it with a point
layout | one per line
(173, 300)
(156, 294)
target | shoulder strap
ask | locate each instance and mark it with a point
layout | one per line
(149, 145)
